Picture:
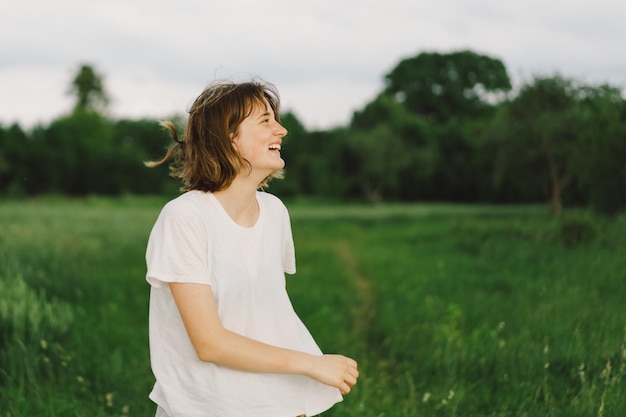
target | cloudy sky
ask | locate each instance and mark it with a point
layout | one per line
(327, 57)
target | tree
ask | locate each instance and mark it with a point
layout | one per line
(377, 156)
(507, 175)
(14, 153)
(297, 153)
(567, 139)
(600, 166)
(547, 110)
(443, 87)
(134, 142)
(384, 144)
(88, 88)
(80, 154)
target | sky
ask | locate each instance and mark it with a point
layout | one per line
(328, 58)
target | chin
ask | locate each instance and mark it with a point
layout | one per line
(280, 165)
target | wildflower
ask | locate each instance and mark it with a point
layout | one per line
(581, 373)
(606, 372)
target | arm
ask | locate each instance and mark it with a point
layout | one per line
(214, 343)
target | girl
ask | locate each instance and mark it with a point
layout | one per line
(224, 338)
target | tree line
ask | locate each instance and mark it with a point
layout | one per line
(446, 127)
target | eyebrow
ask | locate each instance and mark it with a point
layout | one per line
(266, 114)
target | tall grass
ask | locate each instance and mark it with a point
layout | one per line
(73, 307)
(450, 310)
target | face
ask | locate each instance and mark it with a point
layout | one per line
(259, 140)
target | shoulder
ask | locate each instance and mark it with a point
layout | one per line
(186, 204)
(183, 219)
(190, 207)
(271, 201)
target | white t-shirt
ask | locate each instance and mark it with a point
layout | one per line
(195, 241)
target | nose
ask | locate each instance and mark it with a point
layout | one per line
(280, 130)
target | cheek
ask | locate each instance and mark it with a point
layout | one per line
(244, 150)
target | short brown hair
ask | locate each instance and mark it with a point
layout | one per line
(204, 158)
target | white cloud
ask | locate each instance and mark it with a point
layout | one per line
(326, 103)
(33, 95)
(328, 58)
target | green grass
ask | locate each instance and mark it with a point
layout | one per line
(450, 310)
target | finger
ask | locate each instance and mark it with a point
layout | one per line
(352, 373)
(350, 380)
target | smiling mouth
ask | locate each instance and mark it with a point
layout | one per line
(275, 147)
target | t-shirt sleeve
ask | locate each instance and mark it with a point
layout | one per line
(178, 247)
(289, 253)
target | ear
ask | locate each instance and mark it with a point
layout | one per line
(234, 141)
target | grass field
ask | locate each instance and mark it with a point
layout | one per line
(450, 310)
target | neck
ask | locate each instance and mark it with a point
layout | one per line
(239, 201)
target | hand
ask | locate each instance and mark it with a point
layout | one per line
(335, 370)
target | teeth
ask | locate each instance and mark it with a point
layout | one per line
(275, 147)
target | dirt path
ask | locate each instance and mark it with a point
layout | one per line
(364, 305)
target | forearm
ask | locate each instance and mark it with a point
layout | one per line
(214, 343)
(239, 352)
(235, 351)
